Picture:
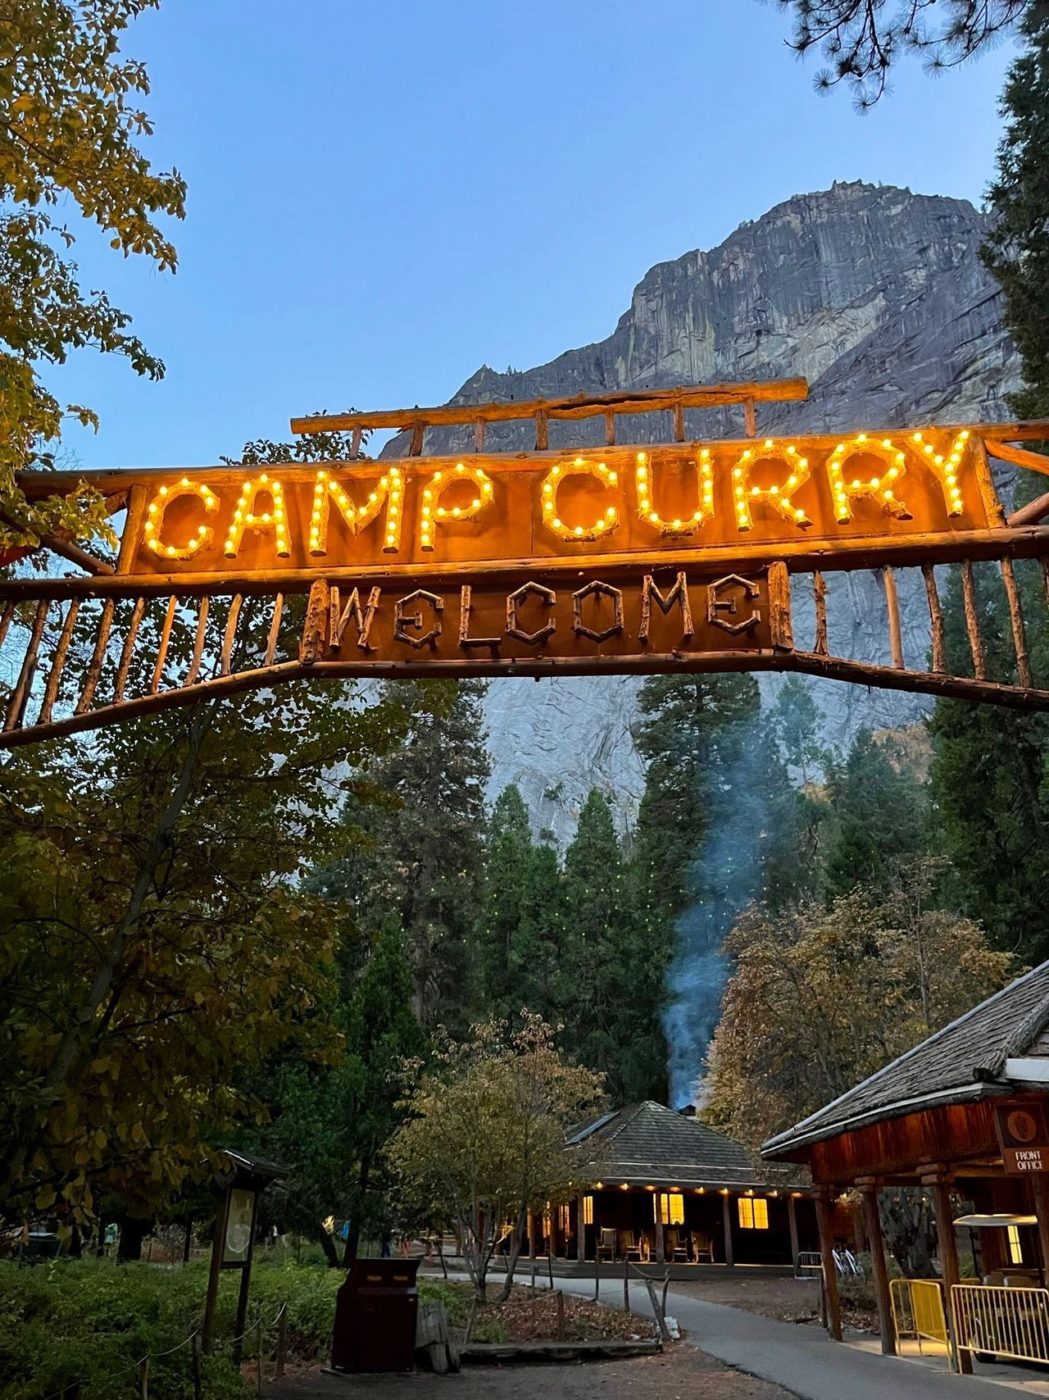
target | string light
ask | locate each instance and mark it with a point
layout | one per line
(643, 480)
(879, 488)
(155, 519)
(433, 513)
(780, 495)
(556, 475)
(388, 491)
(946, 468)
(245, 516)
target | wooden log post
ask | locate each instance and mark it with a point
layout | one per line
(947, 1247)
(831, 1299)
(1040, 1187)
(580, 1229)
(879, 1271)
(792, 1222)
(660, 1235)
(726, 1217)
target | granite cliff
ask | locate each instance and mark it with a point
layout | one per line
(875, 295)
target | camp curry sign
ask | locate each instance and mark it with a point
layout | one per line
(584, 558)
(609, 552)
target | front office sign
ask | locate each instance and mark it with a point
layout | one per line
(1023, 1132)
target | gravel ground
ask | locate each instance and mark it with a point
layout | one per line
(680, 1373)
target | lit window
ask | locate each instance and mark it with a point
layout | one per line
(753, 1214)
(588, 1210)
(669, 1208)
(1016, 1254)
(563, 1219)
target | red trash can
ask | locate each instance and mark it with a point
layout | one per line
(375, 1314)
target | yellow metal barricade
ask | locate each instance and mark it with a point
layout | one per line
(917, 1309)
(1007, 1322)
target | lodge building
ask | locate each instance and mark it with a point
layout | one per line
(660, 1186)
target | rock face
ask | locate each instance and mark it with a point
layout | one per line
(878, 298)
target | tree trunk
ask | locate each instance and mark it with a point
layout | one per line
(132, 1232)
(331, 1254)
(511, 1259)
(909, 1234)
(353, 1234)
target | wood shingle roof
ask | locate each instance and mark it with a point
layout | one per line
(649, 1144)
(966, 1060)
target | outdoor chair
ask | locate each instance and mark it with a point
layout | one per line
(675, 1249)
(630, 1247)
(606, 1243)
(702, 1248)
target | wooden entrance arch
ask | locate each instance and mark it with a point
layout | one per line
(464, 557)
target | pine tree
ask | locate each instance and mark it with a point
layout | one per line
(719, 825)
(990, 781)
(878, 818)
(424, 819)
(1017, 249)
(990, 770)
(506, 887)
(594, 912)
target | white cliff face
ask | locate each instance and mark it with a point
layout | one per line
(875, 295)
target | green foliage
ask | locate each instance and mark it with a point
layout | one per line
(69, 102)
(91, 1321)
(331, 1120)
(613, 971)
(485, 1140)
(425, 830)
(1017, 248)
(156, 942)
(823, 995)
(521, 922)
(990, 776)
(878, 815)
(862, 42)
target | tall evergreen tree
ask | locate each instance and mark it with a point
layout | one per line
(990, 771)
(594, 912)
(425, 820)
(331, 1119)
(506, 879)
(520, 925)
(878, 815)
(1017, 249)
(719, 825)
(990, 783)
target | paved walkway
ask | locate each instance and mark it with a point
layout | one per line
(802, 1359)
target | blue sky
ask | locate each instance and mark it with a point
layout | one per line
(384, 196)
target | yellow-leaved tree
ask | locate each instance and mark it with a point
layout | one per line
(70, 123)
(486, 1139)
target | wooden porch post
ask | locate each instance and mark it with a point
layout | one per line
(879, 1272)
(948, 1251)
(1040, 1186)
(792, 1221)
(661, 1252)
(726, 1216)
(580, 1229)
(824, 1196)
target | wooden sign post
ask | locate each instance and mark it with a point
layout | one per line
(242, 1179)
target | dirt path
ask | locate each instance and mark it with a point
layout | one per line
(681, 1373)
